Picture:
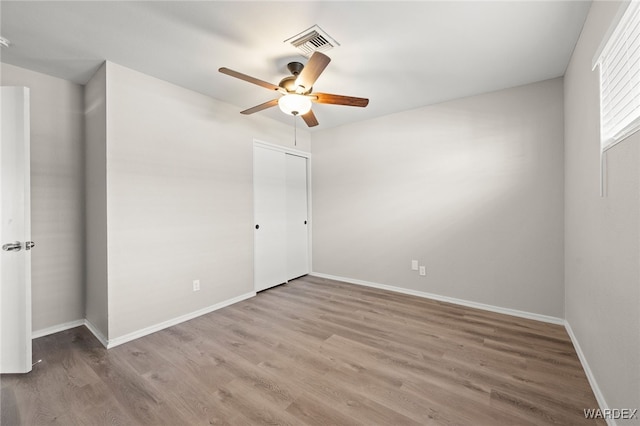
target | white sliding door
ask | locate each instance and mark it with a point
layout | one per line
(297, 233)
(281, 247)
(269, 188)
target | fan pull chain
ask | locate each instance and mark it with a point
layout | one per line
(295, 130)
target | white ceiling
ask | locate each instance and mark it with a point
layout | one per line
(401, 55)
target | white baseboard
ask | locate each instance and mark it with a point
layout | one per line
(94, 330)
(57, 328)
(590, 377)
(108, 344)
(468, 303)
(111, 343)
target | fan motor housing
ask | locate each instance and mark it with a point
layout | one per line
(289, 83)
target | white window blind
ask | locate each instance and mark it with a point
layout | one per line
(619, 65)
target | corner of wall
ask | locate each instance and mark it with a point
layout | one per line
(96, 308)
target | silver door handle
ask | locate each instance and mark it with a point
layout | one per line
(29, 245)
(17, 246)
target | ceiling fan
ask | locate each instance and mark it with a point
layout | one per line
(296, 90)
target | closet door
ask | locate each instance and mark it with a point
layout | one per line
(297, 217)
(269, 189)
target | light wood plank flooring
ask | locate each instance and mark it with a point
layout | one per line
(311, 352)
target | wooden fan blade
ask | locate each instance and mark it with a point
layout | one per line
(260, 107)
(327, 98)
(310, 119)
(248, 78)
(310, 73)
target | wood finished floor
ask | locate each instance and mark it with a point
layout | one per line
(311, 352)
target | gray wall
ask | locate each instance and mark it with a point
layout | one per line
(179, 199)
(602, 234)
(57, 176)
(96, 300)
(472, 188)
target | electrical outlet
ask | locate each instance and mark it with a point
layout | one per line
(196, 285)
(423, 271)
(414, 265)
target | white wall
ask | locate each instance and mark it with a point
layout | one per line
(472, 188)
(602, 234)
(179, 199)
(57, 176)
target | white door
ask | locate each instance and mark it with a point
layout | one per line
(15, 232)
(297, 218)
(269, 177)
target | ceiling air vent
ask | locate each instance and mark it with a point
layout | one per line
(312, 40)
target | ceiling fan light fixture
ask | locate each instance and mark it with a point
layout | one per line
(293, 104)
(296, 98)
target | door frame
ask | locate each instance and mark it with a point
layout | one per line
(290, 151)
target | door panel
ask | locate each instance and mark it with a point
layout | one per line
(269, 177)
(15, 227)
(297, 227)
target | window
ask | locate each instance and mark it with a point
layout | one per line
(619, 65)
